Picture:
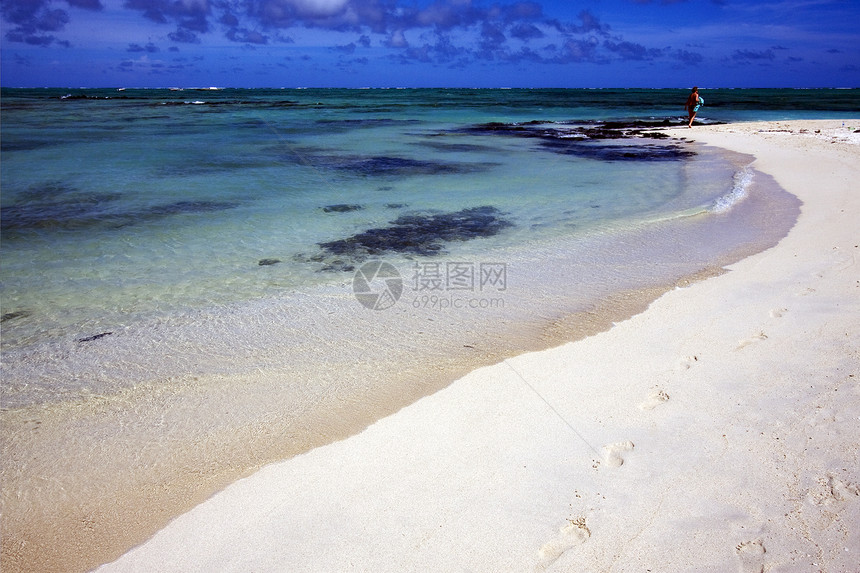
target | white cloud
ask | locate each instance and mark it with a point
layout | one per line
(397, 40)
(319, 8)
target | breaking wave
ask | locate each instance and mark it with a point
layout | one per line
(740, 189)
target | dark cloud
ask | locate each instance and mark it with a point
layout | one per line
(687, 57)
(347, 49)
(190, 14)
(578, 51)
(388, 17)
(589, 24)
(631, 51)
(86, 4)
(446, 15)
(52, 20)
(443, 51)
(340, 15)
(506, 31)
(31, 19)
(24, 13)
(753, 55)
(38, 21)
(492, 42)
(246, 36)
(229, 19)
(526, 31)
(183, 36)
(521, 20)
(580, 40)
(34, 39)
(149, 48)
(522, 11)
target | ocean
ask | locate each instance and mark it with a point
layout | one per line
(197, 282)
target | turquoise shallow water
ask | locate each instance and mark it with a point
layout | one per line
(122, 207)
(179, 270)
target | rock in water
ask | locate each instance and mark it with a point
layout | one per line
(341, 208)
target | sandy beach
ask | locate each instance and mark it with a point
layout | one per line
(719, 430)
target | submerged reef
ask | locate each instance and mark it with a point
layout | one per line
(15, 314)
(602, 140)
(390, 166)
(341, 208)
(421, 234)
(57, 206)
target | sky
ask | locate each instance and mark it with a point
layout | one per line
(430, 43)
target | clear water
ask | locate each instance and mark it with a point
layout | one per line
(148, 358)
(137, 202)
(126, 210)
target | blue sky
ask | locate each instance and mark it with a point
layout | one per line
(450, 43)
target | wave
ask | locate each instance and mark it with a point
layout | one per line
(740, 189)
(723, 204)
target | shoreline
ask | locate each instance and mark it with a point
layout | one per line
(717, 429)
(156, 507)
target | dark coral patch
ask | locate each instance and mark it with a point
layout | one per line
(402, 166)
(94, 337)
(616, 151)
(78, 211)
(58, 207)
(456, 147)
(15, 314)
(347, 124)
(590, 139)
(389, 165)
(181, 207)
(341, 208)
(420, 234)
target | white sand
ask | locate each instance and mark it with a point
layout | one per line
(717, 431)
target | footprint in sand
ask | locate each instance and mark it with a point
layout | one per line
(687, 363)
(656, 398)
(832, 489)
(575, 533)
(751, 556)
(612, 453)
(777, 312)
(747, 341)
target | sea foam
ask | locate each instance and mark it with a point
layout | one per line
(740, 189)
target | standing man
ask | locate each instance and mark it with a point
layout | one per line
(694, 102)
